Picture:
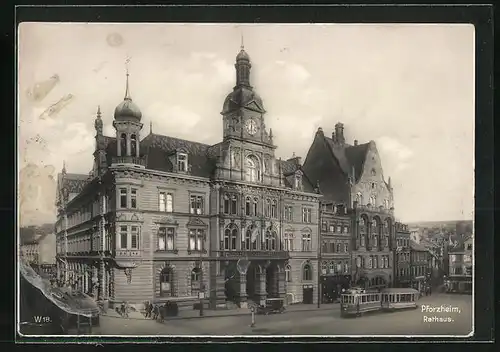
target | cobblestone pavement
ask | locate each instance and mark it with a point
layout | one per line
(312, 322)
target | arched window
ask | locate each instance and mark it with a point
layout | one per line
(339, 267)
(386, 204)
(323, 267)
(195, 281)
(358, 262)
(346, 267)
(123, 144)
(248, 206)
(268, 240)
(375, 262)
(307, 272)
(230, 237)
(252, 169)
(248, 239)
(234, 205)
(166, 282)
(274, 209)
(359, 198)
(373, 201)
(331, 267)
(133, 145)
(268, 208)
(288, 270)
(255, 206)
(274, 239)
(370, 262)
(226, 204)
(339, 249)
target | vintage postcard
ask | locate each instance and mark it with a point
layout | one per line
(246, 180)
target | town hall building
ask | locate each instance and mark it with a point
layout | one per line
(161, 218)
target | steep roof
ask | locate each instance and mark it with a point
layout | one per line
(288, 169)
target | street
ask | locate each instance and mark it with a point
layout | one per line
(458, 321)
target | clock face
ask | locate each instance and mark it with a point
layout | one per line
(251, 126)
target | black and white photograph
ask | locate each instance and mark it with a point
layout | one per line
(233, 179)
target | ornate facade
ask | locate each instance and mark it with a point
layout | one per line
(164, 218)
(351, 177)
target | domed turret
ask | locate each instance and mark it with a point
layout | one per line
(242, 55)
(127, 109)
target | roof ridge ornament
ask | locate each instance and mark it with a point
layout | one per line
(127, 89)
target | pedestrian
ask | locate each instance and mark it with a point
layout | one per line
(149, 309)
(155, 312)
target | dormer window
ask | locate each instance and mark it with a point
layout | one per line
(297, 181)
(182, 162)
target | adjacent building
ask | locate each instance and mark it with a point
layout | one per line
(460, 266)
(335, 250)
(350, 177)
(162, 218)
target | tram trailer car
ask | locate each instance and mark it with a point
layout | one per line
(358, 302)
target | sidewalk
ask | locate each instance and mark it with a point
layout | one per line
(220, 313)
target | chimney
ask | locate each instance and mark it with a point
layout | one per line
(355, 142)
(333, 136)
(339, 132)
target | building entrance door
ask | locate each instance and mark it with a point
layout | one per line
(307, 294)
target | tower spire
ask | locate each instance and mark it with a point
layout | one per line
(64, 167)
(98, 111)
(127, 90)
(242, 43)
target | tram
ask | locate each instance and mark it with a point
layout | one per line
(356, 302)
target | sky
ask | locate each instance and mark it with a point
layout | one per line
(410, 88)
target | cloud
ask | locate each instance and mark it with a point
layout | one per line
(166, 119)
(294, 72)
(225, 72)
(394, 147)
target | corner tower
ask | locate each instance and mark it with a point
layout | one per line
(127, 123)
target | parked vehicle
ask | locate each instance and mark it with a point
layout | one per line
(272, 305)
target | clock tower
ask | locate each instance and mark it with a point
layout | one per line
(246, 141)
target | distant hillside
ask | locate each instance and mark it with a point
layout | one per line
(30, 233)
(450, 224)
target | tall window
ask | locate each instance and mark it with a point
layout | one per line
(323, 267)
(166, 282)
(226, 204)
(166, 202)
(375, 262)
(324, 226)
(123, 144)
(373, 201)
(274, 209)
(230, 237)
(346, 267)
(297, 181)
(134, 237)
(195, 281)
(133, 198)
(270, 240)
(332, 227)
(307, 272)
(288, 212)
(324, 247)
(288, 242)
(339, 246)
(166, 239)
(196, 240)
(288, 270)
(268, 208)
(359, 198)
(133, 145)
(255, 206)
(306, 215)
(306, 242)
(252, 169)
(123, 197)
(248, 239)
(346, 247)
(248, 206)
(123, 237)
(182, 162)
(196, 205)
(234, 205)
(331, 267)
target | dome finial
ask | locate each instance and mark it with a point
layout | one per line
(127, 90)
(98, 111)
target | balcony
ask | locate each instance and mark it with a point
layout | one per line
(128, 253)
(133, 160)
(254, 255)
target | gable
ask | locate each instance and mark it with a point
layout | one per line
(254, 106)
